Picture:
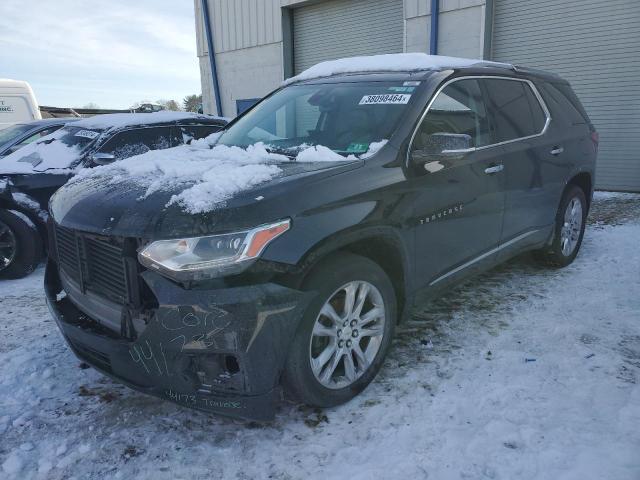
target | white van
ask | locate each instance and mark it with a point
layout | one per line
(17, 103)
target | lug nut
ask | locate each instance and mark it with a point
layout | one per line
(339, 333)
(346, 323)
(354, 334)
(353, 323)
(349, 343)
(341, 344)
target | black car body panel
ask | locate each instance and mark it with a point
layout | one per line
(428, 229)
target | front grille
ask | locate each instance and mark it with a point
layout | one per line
(95, 264)
(68, 253)
(107, 274)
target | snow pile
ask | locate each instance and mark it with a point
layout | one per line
(319, 153)
(397, 62)
(374, 148)
(456, 398)
(206, 142)
(207, 176)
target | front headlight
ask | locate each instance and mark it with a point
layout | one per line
(213, 256)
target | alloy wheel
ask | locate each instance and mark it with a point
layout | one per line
(7, 246)
(347, 334)
(572, 226)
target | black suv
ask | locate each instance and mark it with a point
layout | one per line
(30, 175)
(298, 282)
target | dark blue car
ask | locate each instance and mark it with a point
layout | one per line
(21, 134)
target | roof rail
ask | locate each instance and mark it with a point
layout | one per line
(489, 63)
(539, 71)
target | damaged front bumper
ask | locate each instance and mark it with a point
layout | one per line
(219, 350)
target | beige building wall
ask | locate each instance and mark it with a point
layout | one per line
(250, 47)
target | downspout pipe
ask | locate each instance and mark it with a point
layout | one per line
(435, 13)
(212, 55)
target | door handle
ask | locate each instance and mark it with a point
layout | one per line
(557, 150)
(494, 169)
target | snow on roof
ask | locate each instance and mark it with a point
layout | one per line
(397, 62)
(120, 120)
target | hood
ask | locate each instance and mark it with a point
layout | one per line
(126, 208)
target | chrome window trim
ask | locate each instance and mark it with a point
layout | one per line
(536, 93)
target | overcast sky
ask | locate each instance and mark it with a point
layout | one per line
(112, 53)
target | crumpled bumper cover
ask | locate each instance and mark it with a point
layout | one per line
(219, 350)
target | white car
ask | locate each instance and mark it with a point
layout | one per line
(17, 103)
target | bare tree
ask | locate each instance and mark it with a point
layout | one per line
(170, 105)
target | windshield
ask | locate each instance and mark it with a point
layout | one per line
(11, 133)
(79, 138)
(61, 149)
(345, 117)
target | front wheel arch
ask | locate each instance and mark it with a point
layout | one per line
(381, 244)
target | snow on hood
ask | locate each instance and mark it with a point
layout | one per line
(397, 62)
(207, 176)
(121, 120)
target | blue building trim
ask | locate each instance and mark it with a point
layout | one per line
(245, 104)
(212, 55)
(435, 13)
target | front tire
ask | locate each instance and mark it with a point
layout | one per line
(345, 332)
(569, 230)
(20, 246)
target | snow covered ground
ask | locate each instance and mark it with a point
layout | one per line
(523, 373)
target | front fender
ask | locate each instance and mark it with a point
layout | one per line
(316, 235)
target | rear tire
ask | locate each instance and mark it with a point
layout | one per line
(338, 349)
(569, 230)
(20, 246)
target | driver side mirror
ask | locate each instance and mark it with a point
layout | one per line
(100, 158)
(439, 146)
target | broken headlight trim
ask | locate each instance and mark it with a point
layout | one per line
(201, 258)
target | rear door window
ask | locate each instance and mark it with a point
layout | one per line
(515, 109)
(137, 141)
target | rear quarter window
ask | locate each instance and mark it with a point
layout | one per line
(564, 104)
(515, 109)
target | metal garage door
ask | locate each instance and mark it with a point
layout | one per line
(596, 46)
(345, 28)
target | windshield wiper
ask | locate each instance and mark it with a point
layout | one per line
(282, 151)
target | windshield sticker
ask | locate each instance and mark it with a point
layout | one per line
(357, 147)
(411, 84)
(87, 134)
(385, 99)
(402, 89)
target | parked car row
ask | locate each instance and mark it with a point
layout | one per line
(386, 180)
(46, 153)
